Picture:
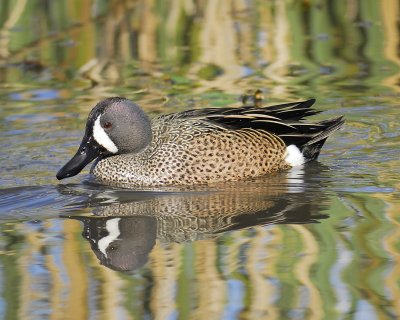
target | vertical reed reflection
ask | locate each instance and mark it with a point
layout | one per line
(344, 265)
(391, 243)
(210, 42)
(271, 271)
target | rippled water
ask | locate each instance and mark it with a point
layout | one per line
(319, 242)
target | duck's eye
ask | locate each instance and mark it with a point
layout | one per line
(107, 125)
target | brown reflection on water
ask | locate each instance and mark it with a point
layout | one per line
(205, 44)
(261, 304)
(391, 244)
(165, 265)
(303, 272)
(390, 14)
(77, 274)
(211, 255)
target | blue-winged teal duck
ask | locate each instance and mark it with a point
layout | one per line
(198, 146)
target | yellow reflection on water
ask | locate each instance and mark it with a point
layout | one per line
(76, 300)
(153, 49)
(215, 44)
(303, 272)
(165, 263)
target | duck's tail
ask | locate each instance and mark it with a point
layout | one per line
(310, 141)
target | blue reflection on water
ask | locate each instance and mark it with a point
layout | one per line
(235, 299)
(35, 95)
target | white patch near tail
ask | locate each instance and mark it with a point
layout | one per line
(113, 233)
(102, 137)
(293, 156)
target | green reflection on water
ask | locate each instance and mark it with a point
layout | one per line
(58, 58)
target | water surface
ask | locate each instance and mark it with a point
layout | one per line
(319, 242)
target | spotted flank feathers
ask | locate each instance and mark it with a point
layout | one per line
(201, 146)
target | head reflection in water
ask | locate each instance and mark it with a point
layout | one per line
(121, 244)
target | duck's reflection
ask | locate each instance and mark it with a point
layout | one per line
(122, 243)
(122, 233)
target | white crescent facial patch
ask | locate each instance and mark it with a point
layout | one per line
(102, 137)
(113, 233)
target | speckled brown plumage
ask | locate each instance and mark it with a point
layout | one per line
(203, 146)
(210, 155)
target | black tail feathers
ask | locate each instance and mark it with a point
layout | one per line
(311, 148)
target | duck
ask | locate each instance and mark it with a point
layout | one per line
(199, 146)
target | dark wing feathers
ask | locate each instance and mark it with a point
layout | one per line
(288, 111)
(283, 120)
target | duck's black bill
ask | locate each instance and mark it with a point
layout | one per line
(86, 153)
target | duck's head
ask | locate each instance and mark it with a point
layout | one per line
(114, 126)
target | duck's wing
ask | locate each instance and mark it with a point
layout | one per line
(232, 116)
(283, 120)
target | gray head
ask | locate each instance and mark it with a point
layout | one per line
(114, 126)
